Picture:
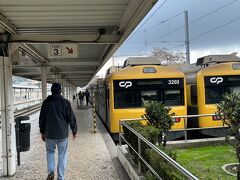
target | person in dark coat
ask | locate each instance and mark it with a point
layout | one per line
(87, 95)
(81, 96)
(55, 117)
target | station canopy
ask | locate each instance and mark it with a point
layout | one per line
(72, 38)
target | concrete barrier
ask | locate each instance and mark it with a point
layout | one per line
(128, 165)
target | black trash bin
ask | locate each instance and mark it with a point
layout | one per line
(25, 129)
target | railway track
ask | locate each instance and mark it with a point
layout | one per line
(27, 111)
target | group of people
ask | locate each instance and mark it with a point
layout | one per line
(81, 96)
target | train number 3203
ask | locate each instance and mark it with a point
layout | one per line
(173, 81)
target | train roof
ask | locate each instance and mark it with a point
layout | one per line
(145, 72)
(208, 61)
(189, 68)
(226, 68)
(113, 69)
(220, 68)
(215, 59)
(138, 61)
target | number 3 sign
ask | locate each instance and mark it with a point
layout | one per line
(56, 50)
(62, 51)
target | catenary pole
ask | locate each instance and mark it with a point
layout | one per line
(187, 37)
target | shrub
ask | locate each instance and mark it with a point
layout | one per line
(149, 132)
(161, 166)
(229, 107)
(159, 116)
(159, 123)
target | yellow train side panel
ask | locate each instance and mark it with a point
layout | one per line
(217, 70)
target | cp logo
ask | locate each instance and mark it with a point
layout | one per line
(125, 84)
(216, 80)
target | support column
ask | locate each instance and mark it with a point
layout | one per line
(63, 86)
(71, 93)
(67, 90)
(44, 82)
(56, 78)
(14, 94)
(8, 130)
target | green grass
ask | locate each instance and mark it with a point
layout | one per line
(206, 162)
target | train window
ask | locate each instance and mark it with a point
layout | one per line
(137, 98)
(214, 95)
(143, 91)
(125, 99)
(173, 97)
(150, 95)
(235, 89)
(233, 78)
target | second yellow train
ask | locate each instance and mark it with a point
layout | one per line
(207, 81)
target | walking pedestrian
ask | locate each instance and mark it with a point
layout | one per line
(55, 117)
(81, 96)
(87, 94)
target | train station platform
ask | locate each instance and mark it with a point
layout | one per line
(91, 156)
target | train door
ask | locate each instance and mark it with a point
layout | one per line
(107, 108)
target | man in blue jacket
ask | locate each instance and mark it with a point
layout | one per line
(55, 117)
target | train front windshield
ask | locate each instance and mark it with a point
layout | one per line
(134, 93)
(217, 86)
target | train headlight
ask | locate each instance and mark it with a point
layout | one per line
(149, 70)
(236, 66)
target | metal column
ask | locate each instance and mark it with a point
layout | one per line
(44, 82)
(67, 93)
(63, 86)
(14, 94)
(56, 78)
(187, 37)
(70, 92)
(8, 130)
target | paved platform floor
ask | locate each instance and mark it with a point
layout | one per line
(89, 156)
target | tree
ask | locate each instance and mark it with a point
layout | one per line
(159, 116)
(167, 57)
(229, 108)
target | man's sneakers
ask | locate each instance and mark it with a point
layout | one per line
(50, 176)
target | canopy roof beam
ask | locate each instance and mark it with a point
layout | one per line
(66, 38)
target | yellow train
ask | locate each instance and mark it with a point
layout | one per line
(207, 80)
(121, 95)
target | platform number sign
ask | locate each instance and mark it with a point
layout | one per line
(63, 51)
(56, 50)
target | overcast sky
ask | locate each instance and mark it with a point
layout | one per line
(225, 39)
(215, 13)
